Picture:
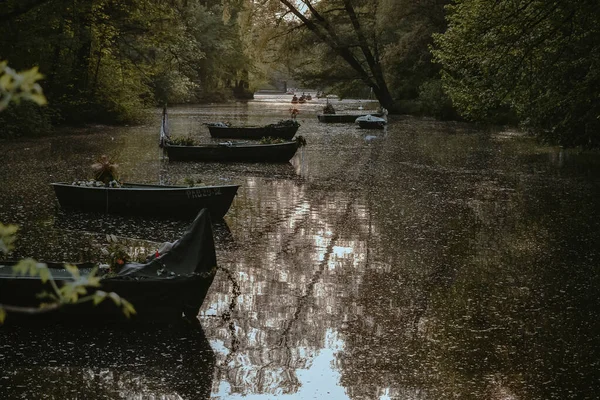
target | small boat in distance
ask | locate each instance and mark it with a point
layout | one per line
(342, 118)
(167, 285)
(371, 122)
(143, 199)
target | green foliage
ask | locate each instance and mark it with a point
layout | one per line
(117, 255)
(16, 86)
(328, 109)
(108, 61)
(284, 123)
(7, 237)
(271, 140)
(434, 101)
(27, 118)
(191, 182)
(538, 60)
(183, 141)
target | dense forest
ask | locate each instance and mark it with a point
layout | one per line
(528, 62)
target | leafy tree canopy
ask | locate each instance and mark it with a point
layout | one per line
(537, 59)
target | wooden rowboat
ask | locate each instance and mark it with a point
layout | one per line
(234, 152)
(342, 118)
(152, 200)
(371, 122)
(223, 131)
(164, 287)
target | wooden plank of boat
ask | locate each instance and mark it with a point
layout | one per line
(226, 132)
(342, 118)
(142, 199)
(232, 152)
(173, 283)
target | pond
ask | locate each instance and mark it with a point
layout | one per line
(430, 260)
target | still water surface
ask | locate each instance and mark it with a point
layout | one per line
(426, 261)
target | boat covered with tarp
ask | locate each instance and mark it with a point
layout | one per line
(170, 284)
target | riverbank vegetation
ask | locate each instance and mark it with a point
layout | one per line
(106, 61)
(523, 62)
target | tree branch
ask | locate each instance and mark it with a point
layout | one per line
(21, 10)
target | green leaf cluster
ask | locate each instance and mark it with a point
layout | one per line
(537, 60)
(16, 86)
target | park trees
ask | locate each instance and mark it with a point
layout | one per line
(378, 44)
(539, 60)
(106, 60)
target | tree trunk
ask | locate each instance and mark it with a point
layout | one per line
(324, 31)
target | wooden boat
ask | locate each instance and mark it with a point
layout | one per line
(371, 122)
(342, 118)
(166, 286)
(234, 152)
(152, 200)
(284, 131)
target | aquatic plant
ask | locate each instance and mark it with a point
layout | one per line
(105, 169)
(191, 182)
(328, 109)
(300, 140)
(183, 141)
(271, 140)
(284, 123)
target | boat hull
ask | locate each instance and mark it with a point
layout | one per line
(274, 153)
(371, 124)
(256, 133)
(151, 200)
(167, 286)
(341, 118)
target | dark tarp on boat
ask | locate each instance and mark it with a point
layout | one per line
(165, 286)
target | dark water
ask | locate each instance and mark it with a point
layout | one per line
(427, 261)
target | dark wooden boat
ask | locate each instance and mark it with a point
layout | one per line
(222, 131)
(166, 286)
(234, 152)
(342, 118)
(152, 200)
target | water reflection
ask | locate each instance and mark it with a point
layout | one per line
(105, 362)
(428, 261)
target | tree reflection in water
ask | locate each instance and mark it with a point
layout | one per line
(105, 362)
